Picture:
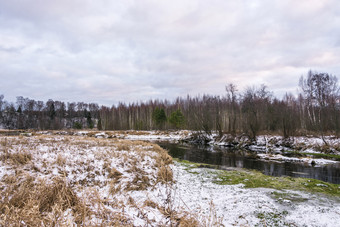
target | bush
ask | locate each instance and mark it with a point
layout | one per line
(77, 125)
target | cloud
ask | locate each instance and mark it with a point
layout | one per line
(110, 51)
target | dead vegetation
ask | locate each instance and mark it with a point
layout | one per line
(123, 147)
(18, 158)
(58, 181)
(35, 203)
(27, 202)
(61, 160)
(164, 174)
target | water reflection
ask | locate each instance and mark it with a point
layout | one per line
(225, 157)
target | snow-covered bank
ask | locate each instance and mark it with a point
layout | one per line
(103, 182)
(309, 160)
(253, 207)
(307, 149)
(152, 135)
(133, 183)
(307, 144)
(263, 143)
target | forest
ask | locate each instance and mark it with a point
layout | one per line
(315, 109)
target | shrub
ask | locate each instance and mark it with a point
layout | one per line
(77, 125)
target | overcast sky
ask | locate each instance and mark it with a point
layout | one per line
(106, 51)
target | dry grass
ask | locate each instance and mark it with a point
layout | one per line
(164, 158)
(150, 203)
(123, 147)
(114, 188)
(3, 142)
(61, 160)
(59, 193)
(164, 174)
(188, 220)
(47, 195)
(140, 181)
(114, 174)
(39, 203)
(19, 158)
(138, 133)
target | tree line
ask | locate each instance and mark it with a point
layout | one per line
(316, 108)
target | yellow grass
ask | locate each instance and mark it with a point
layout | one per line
(28, 200)
(18, 158)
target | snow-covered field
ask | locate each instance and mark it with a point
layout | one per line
(238, 206)
(109, 181)
(128, 134)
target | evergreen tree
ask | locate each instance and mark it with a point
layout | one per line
(99, 124)
(159, 117)
(177, 119)
(89, 120)
(19, 110)
(52, 112)
(77, 125)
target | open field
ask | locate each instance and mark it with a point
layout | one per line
(58, 180)
(67, 180)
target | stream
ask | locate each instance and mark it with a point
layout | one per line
(226, 158)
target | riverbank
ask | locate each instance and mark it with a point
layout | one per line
(309, 149)
(69, 180)
(241, 200)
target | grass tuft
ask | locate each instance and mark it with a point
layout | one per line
(61, 160)
(58, 193)
(35, 203)
(19, 158)
(164, 174)
(123, 147)
(114, 174)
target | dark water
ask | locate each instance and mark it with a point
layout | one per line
(225, 157)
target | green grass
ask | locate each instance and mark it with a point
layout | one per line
(192, 165)
(256, 179)
(293, 197)
(274, 218)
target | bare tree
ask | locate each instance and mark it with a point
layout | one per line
(320, 90)
(1, 102)
(1, 107)
(232, 106)
(255, 102)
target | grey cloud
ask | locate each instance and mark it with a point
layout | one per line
(11, 49)
(110, 51)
